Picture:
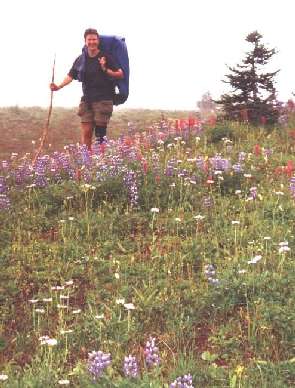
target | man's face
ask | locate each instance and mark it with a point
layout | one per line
(91, 41)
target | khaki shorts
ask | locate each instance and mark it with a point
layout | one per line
(98, 113)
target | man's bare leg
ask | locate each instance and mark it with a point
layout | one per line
(86, 134)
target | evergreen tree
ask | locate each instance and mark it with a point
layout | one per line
(254, 96)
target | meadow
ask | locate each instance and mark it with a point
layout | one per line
(164, 258)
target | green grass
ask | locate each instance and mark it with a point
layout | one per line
(238, 332)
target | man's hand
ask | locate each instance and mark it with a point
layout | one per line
(66, 81)
(103, 63)
(54, 87)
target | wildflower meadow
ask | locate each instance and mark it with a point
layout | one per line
(162, 258)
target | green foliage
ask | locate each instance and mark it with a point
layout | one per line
(253, 97)
(217, 134)
(74, 255)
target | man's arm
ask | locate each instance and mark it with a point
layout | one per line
(118, 74)
(68, 79)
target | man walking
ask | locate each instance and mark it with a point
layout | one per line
(97, 71)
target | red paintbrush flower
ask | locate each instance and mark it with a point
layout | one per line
(191, 122)
(289, 168)
(257, 149)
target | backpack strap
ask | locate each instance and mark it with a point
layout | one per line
(116, 46)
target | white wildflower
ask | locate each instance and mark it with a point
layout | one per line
(57, 288)
(61, 306)
(129, 306)
(284, 249)
(155, 210)
(255, 259)
(46, 300)
(101, 316)
(51, 342)
(199, 217)
(40, 311)
(33, 301)
(64, 297)
(63, 382)
(249, 199)
(62, 332)
(45, 340)
(283, 243)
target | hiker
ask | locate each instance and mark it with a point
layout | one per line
(97, 74)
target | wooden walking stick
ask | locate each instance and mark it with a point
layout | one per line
(45, 131)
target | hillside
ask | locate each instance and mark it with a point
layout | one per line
(164, 259)
(20, 127)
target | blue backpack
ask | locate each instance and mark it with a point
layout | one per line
(116, 47)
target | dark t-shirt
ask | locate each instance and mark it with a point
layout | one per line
(97, 85)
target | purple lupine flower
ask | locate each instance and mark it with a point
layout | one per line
(61, 164)
(213, 281)
(96, 148)
(4, 202)
(85, 155)
(253, 192)
(267, 152)
(237, 167)
(210, 270)
(198, 128)
(219, 163)
(207, 202)
(97, 362)
(171, 167)
(152, 357)
(292, 186)
(183, 173)
(40, 171)
(185, 381)
(130, 367)
(242, 156)
(5, 164)
(3, 187)
(22, 174)
(210, 273)
(200, 162)
(131, 184)
(225, 164)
